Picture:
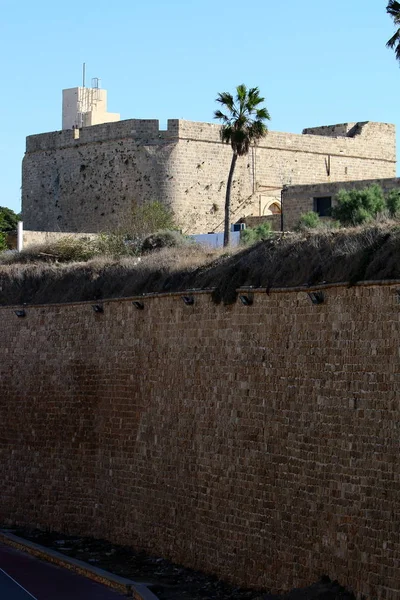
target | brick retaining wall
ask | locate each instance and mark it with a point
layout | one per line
(257, 442)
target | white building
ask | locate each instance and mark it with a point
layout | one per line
(83, 106)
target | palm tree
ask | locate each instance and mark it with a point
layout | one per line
(393, 8)
(242, 125)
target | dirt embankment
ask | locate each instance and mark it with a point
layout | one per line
(367, 254)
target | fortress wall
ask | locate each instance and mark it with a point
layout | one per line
(202, 164)
(259, 443)
(144, 130)
(34, 238)
(186, 167)
(93, 187)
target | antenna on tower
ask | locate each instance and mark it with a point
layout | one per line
(83, 74)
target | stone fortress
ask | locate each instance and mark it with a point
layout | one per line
(87, 177)
(257, 442)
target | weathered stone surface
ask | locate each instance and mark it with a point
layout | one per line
(90, 184)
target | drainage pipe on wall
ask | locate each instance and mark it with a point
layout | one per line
(285, 187)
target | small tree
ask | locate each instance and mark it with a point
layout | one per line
(148, 218)
(8, 220)
(393, 203)
(8, 224)
(355, 207)
(243, 124)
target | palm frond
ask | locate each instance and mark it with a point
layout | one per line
(226, 99)
(257, 130)
(254, 98)
(243, 122)
(263, 114)
(241, 94)
(393, 9)
(395, 39)
(221, 116)
(226, 134)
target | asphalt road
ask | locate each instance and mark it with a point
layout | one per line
(23, 577)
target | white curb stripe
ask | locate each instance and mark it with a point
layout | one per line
(22, 588)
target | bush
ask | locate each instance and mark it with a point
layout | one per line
(164, 239)
(116, 245)
(3, 242)
(149, 218)
(355, 207)
(74, 249)
(393, 203)
(251, 235)
(8, 220)
(309, 220)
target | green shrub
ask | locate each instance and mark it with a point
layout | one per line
(393, 203)
(355, 207)
(8, 220)
(149, 218)
(164, 239)
(309, 220)
(116, 245)
(263, 230)
(251, 235)
(3, 242)
(248, 237)
(68, 249)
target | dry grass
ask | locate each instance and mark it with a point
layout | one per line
(371, 253)
(71, 249)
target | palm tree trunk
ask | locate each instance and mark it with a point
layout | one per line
(227, 228)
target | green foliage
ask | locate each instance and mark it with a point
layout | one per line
(309, 220)
(3, 242)
(393, 203)
(164, 239)
(244, 119)
(251, 235)
(8, 220)
(115, 245)
(148, 218)
(355, 207)
(69, 249)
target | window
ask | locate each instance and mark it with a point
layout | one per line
(323, 206)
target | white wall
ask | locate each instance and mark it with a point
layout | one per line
(89, 102)
(216, 240)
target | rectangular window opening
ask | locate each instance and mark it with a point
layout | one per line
(323, 206)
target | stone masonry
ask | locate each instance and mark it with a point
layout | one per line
(88, 180)
(260, 443)
(299, 199)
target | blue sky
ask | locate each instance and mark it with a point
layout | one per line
(316, 63)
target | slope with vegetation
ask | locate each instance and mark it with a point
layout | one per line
(302, 259)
